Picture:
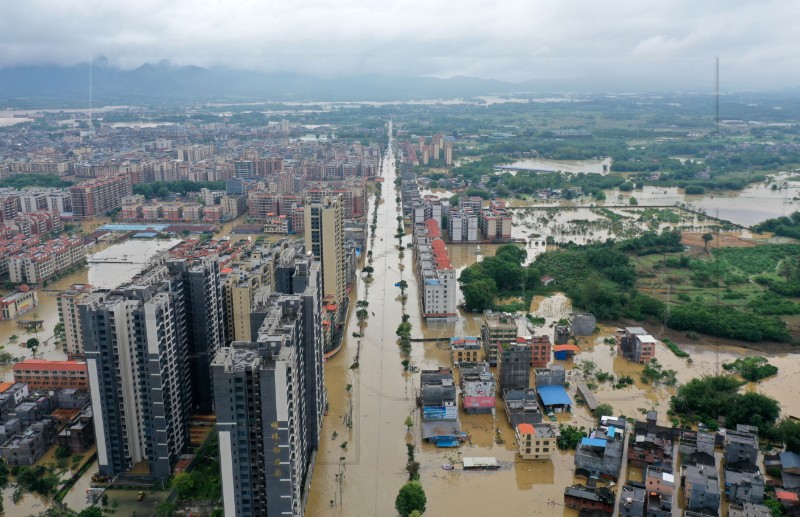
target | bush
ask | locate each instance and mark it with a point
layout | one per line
(63, 452)
(752, 368)
(570, 436)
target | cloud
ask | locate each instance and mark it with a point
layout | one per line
(515, 40)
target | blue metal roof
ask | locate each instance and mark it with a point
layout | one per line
(790, 460)
(593, 442)
(554, 396)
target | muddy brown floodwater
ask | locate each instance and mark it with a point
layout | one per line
(360, 466)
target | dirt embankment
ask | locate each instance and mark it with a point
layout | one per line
(723, 240)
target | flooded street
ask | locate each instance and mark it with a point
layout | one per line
(360, 467)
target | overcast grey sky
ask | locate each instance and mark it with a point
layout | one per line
(587, 42)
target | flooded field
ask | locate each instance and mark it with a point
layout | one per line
(746, 207)
(572, 166)
(592, 225)
(361, 462)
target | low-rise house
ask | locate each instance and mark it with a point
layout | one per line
(439, 408)
(636, 344)
(632, 501)
(478, 388)
(536, 441)
(78, 435)
(554, 399)
(701, 488)
(749, 510)
(555, 375)
(590, 499)
(26, 448)
(465, 349)
(744, 483)
(583, 324)
(541, 349)
(660, 485)
(790, 469)
(521, 407)
(561, 335)
(498, 328)
(650, 444)
(600, 454)
(789, 499)
(741, 445)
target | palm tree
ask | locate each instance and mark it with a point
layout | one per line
(403, 285)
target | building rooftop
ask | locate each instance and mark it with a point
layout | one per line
(554, 395)
(45, 364)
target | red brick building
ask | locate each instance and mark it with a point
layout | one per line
(51, 375)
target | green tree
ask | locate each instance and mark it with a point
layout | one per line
(58, 331)
(32, 344)
(569, 436)
(410, 498)
(632, 201)
(753, 409)
(165, 509)
(403, 285)
(479, 295)
(62, 452)
(409, 423)
(362, 314)
(788, 431)
(707, 237)
(183, 483)
(92, 511)
(603, 410)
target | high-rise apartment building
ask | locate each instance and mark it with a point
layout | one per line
(96, 197)
(324, 237)
(68, 316)
(144, 343)
(270, 398)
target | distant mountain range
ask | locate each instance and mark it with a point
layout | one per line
(102, 84)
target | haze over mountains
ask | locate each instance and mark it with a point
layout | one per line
(149, 82)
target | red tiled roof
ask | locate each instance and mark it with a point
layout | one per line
(526, 429)
(440, 254)
(44, 364)
(568, 348)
